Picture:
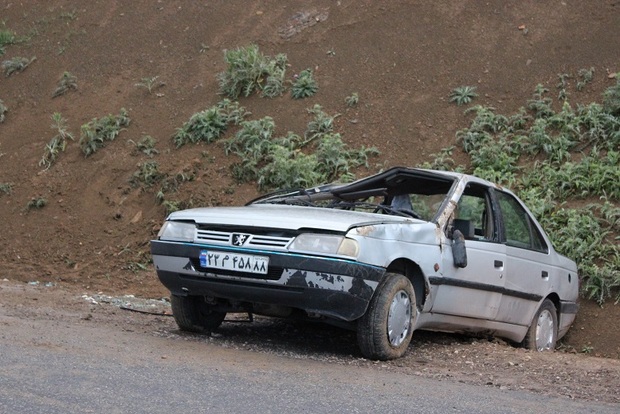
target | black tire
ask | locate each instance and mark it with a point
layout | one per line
(193, 314)
(543, 332)
(393, 303)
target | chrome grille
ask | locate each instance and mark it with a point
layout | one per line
(254, 240)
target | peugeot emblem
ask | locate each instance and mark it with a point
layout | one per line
(239, 239)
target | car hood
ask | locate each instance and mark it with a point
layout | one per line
(286, 217)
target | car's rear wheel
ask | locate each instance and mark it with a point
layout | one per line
(193, 314)
(543, 332)
(385, 331)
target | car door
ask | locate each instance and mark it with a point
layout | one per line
(528, 270)
(474, 291)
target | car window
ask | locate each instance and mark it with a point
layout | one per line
(519, 229)
(426, 205)
(474, 210)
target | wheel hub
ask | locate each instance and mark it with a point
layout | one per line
(399, 318)
(544, 331)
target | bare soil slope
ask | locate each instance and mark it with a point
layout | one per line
(403, 58)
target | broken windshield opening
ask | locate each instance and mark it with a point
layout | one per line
(399, 191)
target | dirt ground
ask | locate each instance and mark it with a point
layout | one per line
(451, 358)
(402, 58)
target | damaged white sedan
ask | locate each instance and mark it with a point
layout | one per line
(399, 251)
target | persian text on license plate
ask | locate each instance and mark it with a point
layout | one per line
(234, 261)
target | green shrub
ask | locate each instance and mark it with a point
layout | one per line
(247, 69)
(147, 174)
(149, 83)
(66, 83)
(304, 86)
(611, 98)
(463, 95)
(285, 162)
(285, 168)
(562, 86)
(585, 77)
(7, 37)
(206, 126)
(95, 133)
(335, 161)
(210, 124)
(441, 161)
(274, 86)
(16, 65)
(540, 104)
(58, 143)
(321, 124)
(146, 145)
(3, 110)
(6, 188)
(352, 100)
(36, 203)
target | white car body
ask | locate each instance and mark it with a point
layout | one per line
(496, 284)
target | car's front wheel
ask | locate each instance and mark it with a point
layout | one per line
(194, 314)
(543, 331)
(385, 331)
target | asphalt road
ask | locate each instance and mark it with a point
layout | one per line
(53, 362)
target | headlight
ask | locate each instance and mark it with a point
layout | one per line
(177, 231)
(325, 244)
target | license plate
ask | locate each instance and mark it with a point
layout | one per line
(234, 261)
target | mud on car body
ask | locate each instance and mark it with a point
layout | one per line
(386, 255)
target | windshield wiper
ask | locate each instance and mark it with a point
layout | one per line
(293, 201)
(377, 208)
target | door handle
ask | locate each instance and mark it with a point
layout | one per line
(544, 274)
(498, 264)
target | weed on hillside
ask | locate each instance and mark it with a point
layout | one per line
(149, 83)
(352, 100)
(146, 145)
(290, 161)
(304, 85)
(16, 65)
(95, 133)
(6, 188)
(210, 124)
(3, 110)
(66, 83)
(248, 70)
(36, 203)
(58, 143)
(463, 95)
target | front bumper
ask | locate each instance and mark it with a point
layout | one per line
(332, 287)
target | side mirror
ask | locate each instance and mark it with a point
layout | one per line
(459, 253)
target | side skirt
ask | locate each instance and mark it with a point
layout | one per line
(458, 324)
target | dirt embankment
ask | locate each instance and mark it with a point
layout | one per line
(403, 58)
